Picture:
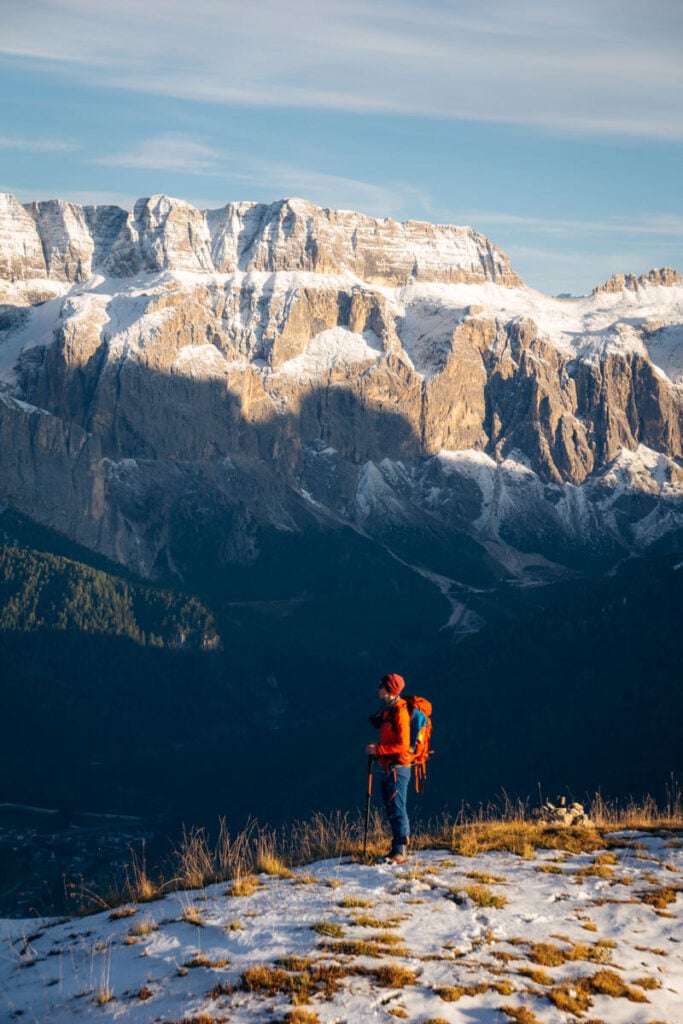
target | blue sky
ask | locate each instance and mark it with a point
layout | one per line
(555, 129)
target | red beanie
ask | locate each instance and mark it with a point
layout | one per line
(393, 683)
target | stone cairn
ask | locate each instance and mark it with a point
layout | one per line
(560, 813)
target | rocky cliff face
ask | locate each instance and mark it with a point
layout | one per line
(63, 242)
(193, 379)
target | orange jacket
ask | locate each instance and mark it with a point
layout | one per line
(393, 746)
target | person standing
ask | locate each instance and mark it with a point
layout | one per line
(392, 751)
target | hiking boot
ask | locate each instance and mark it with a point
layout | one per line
(399, 855)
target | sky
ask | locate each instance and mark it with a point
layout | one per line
(556, 129)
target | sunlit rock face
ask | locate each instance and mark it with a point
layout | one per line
(271, 367)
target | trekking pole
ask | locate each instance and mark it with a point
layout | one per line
(368, 795)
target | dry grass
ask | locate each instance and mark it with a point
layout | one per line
(364, 947)
(485, 878)
(192, 915)
(117, 915)
(546, 954)
(294, 963)
(329, 928)
(453, 993)
(660, 897)
(520, 1015)
(298, 985)
(199, 860)
(104, 994)
(142, 928)
(367, 921)
(269, 864)
(299, 1016)
(481, 896)
(538, 977)
(608, 983)
(245, 886)
(393, 976)
(354, 901)
(648, 983)
(574, 995)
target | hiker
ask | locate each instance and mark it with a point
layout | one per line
(393, 754)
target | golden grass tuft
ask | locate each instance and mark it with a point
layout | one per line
(142, 928)
(192, 915)
(299, 986)
(117, 915)
(660, 897)
(367, 921)
(245, 886)
(486, 878)
(521, 1015)
(363, 947)
(482, 896)
(299, 1016)
(572, 996)
(329, 928)
(294, 963)
(538, 977)
(393, 976)
(608, 983)
(104, 994)
(547, 955)
(648, 983)
(268, 864)
(355, 901)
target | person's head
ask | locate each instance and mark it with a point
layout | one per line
(390, 686)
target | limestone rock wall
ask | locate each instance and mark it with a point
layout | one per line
(67, 242)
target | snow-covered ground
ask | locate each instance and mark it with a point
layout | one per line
(591, 936)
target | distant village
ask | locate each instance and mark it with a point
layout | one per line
(52, 866)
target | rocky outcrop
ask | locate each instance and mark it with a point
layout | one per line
(76, 239)
(21, 250)
(563, 814)
(663, 277)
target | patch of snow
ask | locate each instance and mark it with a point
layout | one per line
(336, 347)
(199, 361)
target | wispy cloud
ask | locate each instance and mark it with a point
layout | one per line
(37, 145)
(332, 190)
(660, 225)
(176, 153)
(583, 66)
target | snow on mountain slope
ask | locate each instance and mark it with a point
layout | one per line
(445, 937)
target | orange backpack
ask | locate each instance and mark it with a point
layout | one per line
(420, 711)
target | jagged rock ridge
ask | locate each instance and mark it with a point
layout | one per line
(322, 367)
(65, 242)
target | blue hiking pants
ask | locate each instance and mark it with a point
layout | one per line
(394, 784)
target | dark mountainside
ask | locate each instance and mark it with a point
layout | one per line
(572, 686)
